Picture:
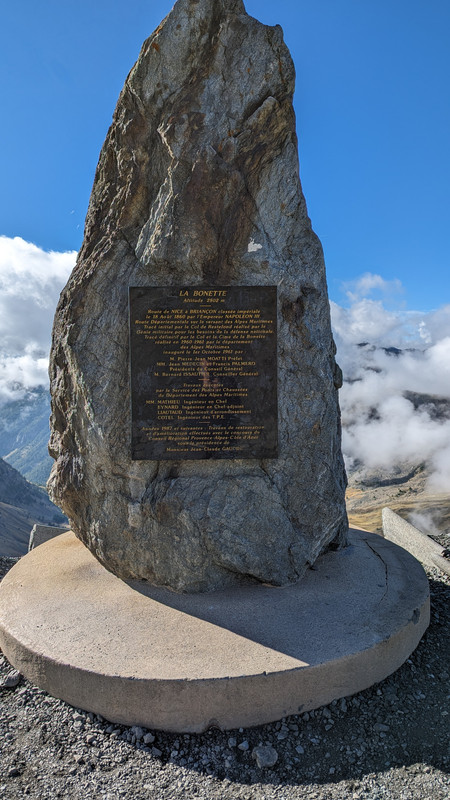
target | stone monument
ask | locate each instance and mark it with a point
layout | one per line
(225, 464)
(195, 421)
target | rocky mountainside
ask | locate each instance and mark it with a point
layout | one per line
(24, 435)
(405, 491)
(22, 505)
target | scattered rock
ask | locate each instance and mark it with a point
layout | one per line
(11, 681)
(379, 727)
(137, 732)
(14, 772)
(265, 756)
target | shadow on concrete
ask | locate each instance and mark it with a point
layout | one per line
(352, 599)
(398, 724)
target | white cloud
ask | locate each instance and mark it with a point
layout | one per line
(383, 427)
(30, 283)
(365, 321)
(368, 283)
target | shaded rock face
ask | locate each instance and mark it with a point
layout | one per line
(197, 183)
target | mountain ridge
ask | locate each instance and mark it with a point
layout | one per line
(22, 504)
(24, 435)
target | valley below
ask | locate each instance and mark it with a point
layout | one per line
(406, 491)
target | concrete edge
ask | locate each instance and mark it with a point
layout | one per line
(244, 701)
(398, 530)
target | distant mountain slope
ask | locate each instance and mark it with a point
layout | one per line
(21, 505)
(405, 491)
(15, 527)
(24, 434)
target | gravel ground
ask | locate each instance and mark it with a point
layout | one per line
(390, 741)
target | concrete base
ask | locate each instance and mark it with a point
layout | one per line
(228, 659)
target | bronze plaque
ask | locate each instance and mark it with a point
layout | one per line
(203, 372)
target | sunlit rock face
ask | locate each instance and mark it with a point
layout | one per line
(198, 184)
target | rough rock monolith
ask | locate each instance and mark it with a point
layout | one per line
(198, 184)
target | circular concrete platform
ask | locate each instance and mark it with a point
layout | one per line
(234, 658)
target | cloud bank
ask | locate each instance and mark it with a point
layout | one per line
(396, 363)
(396, 397)
(30, 283)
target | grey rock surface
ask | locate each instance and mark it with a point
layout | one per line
(198, 183)
(265, 756)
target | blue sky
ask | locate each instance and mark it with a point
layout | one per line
(373, 116)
